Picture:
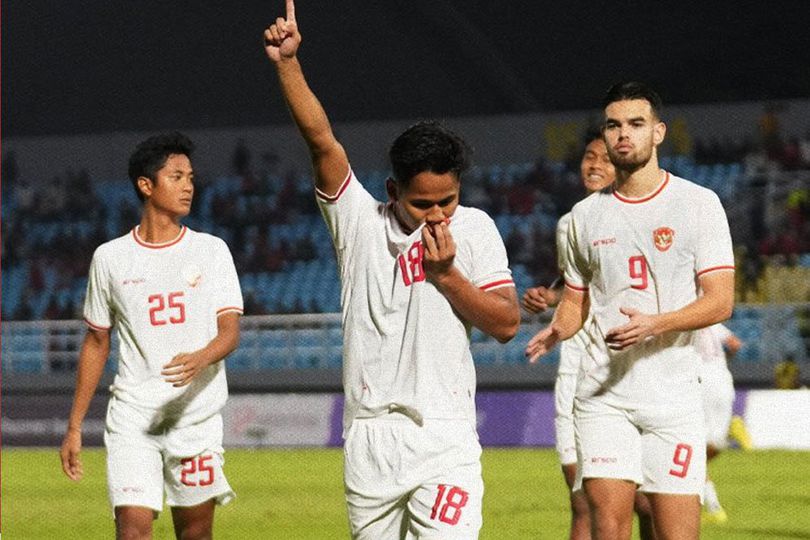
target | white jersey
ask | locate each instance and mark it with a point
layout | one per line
(404, 347)
(644, 253)
(163, 299)
(709, 344)
(572, 350)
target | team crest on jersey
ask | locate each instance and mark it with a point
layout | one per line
(192, 274)
(662, 238)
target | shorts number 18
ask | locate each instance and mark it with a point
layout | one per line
(454, 500)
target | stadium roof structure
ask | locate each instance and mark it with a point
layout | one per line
(101, 66)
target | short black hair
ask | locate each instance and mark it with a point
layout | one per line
(592, 133)
(151, 155)
(634, 90)
(428, 146)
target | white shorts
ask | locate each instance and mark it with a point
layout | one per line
(564, 388)
(424, 481)
(143, 462)
(718, 403)
(662, 448)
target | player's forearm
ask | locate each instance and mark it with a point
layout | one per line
(219, 347)
(705, 311)
(225, 342)
(92, 358)
(496, 313)
(570, 314)
(305, 108)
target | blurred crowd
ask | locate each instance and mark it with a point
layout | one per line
(50, 230)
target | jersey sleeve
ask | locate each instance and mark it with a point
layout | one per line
(229, 294)
(343, 211)
(714, 251)
(721, 332)
(97, 302)
(575, 256)
(490, 262)
(562, 242)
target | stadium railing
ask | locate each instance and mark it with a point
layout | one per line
(303, 352)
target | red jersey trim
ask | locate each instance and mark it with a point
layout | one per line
(96, 326)
(333, 198)
(575, 288)
(497, 284)
(157, 246)
(648, 197)
(229, 309)
(715, 269)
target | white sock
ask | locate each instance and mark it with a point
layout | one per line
(710, 500)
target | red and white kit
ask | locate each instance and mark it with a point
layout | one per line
(408, 373)
(717, 383)
(572, 354)
(638, 413)
(163, 300)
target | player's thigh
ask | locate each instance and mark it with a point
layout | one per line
(194, 521)
(134, 472)
(675, 516)
(610, 497)
(718, 403)
(133, 521)
(565, 443)
(376, 500)
(194, 465)
(449, 507)
(608, 442)
(674, 450)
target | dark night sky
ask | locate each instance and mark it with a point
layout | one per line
(108, 65)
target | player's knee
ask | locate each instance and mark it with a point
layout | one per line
(132, 531)
(641, 505)
(579, 505)
(194, 531)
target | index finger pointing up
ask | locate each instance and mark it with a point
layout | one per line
(291, 10)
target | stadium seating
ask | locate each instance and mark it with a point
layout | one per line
(310, 284)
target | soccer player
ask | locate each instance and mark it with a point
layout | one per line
(597, 173)
(173, 296)
(417, 272)
(715, 344)
(637, 255)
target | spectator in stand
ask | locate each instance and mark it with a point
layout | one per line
(241, 158)
(804, 151)
(787, 374)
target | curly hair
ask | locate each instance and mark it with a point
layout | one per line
(427, 146)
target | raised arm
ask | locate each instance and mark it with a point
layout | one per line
(93, 356)
(281, 42)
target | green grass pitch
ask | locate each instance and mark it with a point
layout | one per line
(297, 494)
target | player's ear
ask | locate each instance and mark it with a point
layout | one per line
(145, 185)
(659, 131)
(391, 189)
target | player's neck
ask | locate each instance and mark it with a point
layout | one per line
(640, 182)
(157, 227)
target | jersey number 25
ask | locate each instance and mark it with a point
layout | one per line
(173, 303)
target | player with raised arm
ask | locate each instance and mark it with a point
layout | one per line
(638, 254)
(715, 344)
(597, 173)
(173, 296)
(417, 273)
